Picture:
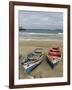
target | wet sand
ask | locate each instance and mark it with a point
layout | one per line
(43, 70)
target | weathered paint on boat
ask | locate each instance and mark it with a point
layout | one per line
(53, 57)
(30, 67)
(32, 60)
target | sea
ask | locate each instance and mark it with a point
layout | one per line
(41, 34)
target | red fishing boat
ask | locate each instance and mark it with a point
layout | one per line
(54, 56)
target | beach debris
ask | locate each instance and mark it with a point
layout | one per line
(38, 74)
(20, 56)
(29, 77)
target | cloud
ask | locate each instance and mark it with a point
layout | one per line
(40, 20)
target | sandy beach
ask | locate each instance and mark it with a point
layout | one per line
(43, 70)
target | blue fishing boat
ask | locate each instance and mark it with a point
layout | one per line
(32, 60)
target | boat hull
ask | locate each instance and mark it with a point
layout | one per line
(52, 62)
(29, 67)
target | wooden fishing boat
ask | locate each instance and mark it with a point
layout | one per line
(54, 56)
(32, 60)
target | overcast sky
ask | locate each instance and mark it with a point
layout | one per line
(40, 20)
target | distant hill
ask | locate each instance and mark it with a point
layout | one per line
(41, 30)
(22, 29)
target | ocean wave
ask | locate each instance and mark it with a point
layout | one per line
(27, 33)
(21, 39)
(60, 33)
